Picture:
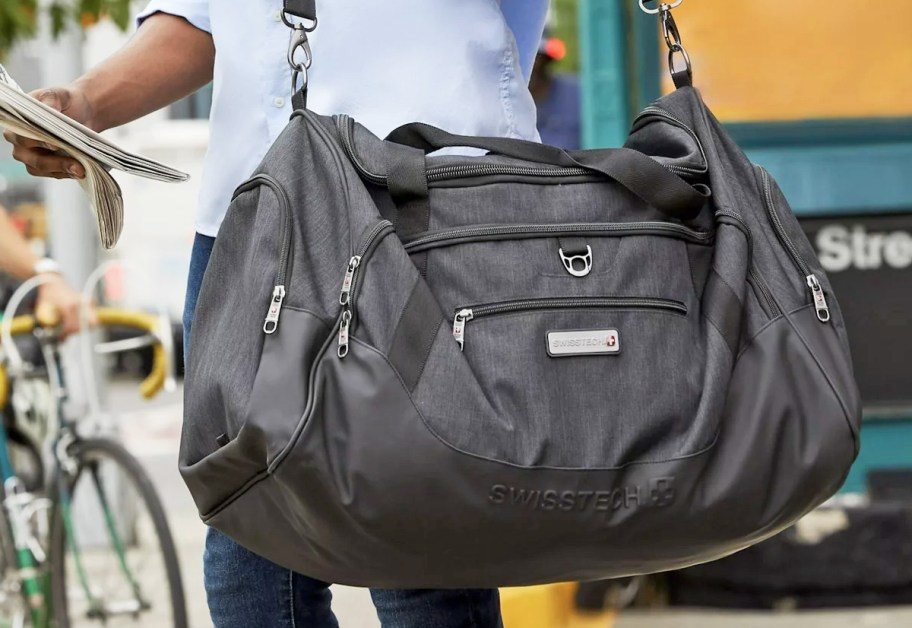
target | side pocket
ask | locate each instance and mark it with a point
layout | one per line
(224, 472)
(273, 412)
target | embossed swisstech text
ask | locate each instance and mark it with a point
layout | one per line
(659, 493)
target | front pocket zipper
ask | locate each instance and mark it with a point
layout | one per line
(271, 324)
(466, 314)
(443, 173)
(763, 291)
(349, 294)
(820, 302)
(484, 233)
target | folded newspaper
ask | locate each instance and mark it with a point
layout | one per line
(31, 118)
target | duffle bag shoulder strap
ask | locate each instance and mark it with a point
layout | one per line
(304, 9)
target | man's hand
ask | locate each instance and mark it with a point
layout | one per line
(176, 59)
(57, 300)
(43, 160)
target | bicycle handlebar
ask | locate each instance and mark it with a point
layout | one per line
(155, 381)
(109, 317)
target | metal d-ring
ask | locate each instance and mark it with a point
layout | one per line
(295, 75)
(307, 27)
(584, 258)
(673, 5)
(671, 55)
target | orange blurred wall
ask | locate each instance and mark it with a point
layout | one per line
(768, 60)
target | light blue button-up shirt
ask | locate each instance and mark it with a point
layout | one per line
(462, 65)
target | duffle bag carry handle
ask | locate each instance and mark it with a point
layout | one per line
(639, 173)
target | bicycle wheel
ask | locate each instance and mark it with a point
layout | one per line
(113, 560)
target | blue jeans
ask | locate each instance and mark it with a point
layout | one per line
(245, 590)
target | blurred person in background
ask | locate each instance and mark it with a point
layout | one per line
(557, 97)
(18, 259)
(463, 66)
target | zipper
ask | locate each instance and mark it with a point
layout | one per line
(456, 171)
(271, 324)
(819, 297)
(656, 112)
(463, 235)
(764, 291)
(466, 314)
(349, 292)
(345, 125)
(754, 273)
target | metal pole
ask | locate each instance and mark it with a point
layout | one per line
(604, 64)
(71, 226)
(73, 240)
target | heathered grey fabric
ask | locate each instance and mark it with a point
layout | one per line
(712, 428)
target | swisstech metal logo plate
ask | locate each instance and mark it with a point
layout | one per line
(584, 342)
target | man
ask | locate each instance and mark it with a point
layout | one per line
(463, 65)
(18, 260)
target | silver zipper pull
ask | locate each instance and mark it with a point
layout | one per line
(343, 333)
(820, 302)
(353, 264)
(459, 326)
(275, 308)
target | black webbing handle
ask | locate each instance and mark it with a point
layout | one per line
(639, 173)
(305, 9)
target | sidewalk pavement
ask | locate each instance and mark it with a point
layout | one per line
(868, 618)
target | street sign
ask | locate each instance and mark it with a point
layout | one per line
(868, 258)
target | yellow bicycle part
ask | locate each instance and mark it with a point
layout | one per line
(109, 317)
(155, 381)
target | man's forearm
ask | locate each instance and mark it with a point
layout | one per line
(166, 60)
(16, 258)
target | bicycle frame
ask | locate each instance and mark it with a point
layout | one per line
(26, 513)
(19, 507)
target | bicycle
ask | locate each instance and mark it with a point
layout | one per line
(74, 538)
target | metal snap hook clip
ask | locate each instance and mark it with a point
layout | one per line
(673, 5)
(577, 265)
(682, 76)
(298, 42)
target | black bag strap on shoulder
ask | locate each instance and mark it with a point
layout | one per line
(640, 174)
(305, 9)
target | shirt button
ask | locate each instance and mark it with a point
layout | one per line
(279, 102)
(277, 16)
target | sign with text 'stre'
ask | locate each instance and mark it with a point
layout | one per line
(868, 259)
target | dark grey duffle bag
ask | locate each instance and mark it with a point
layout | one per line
(519, 368)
